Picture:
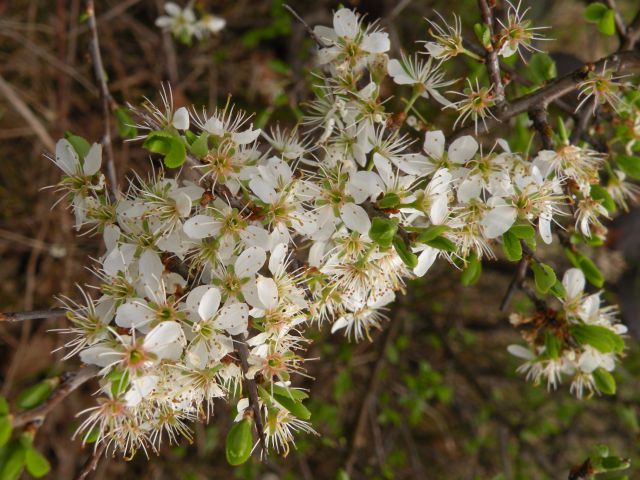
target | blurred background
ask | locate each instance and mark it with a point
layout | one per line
(432, 396)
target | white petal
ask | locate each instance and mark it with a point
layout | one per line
(377, 42)
(345, 23)
(267, 291)
(434, 144)
(165, 340)
(498, 220)
(254, 236)
(470, 189)
(544, 227)
(248, 136)
(98, 355)
(398, 73)
(249, 262)
(133, 314)
(214, 126)
(233, 318)
(150, 268)
(193, 299)
(521, 352)
(326, 34)
(93, 160)
(338, 324)
(573, 282)
(140, 388)
(589, 361)
(425, 260)
(355, 218)
(209, 303)
(463, 149)
(201, 226)
(66, 157)
(364, 184)
(278, 258)
(263, 190)
(181, 119)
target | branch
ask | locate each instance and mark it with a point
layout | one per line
(621, 28)
(12, 317)
(493, 64)
(619, 62)
(71, 381)
(92, 463)
(252, 389)
(107, 101)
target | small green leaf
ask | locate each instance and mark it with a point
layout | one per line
(431, 232)
(523, 231)
(383, 230)
(409, 259)
(294, 393)
(34, 395)
(4, 406)
(558, 290)
(6, 427)
(119, 382)
(594, 12)
(553, 345)
(390, 200)
(629, 165)
(79, 144)
(14, 463)
(544, 277)
(295, 407)
(200, 146)
(126, 125)
(484, 35)
(471, 274)
(607, 23)
(604, 381)
(177, 154)
(600, 338)
(239, 443)
(37, 465)
(92, 436)
(600, 193)
(591, 272)
(542, 68)
(158, 142)
(511, 246)
(442, 243)
(562, 131)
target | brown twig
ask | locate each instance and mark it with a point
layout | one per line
(619, 62)
(71, 381)
(107, 101)
(491, 54)
(13, 317)
(252, 389)
(93, 461)
(309, 30)
(621, 27)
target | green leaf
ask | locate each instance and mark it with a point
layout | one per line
(600, 338)
(34, 395)
(562, 131)
(558, 290)
(601, 193)
(177, 154)
(383, 230)
(119, 382)
(158, 142)
(79, 144)
(442, 243)
(200, 146)
(591, 272)
(542, 68)
(4, 406)
(471, 274)
(523, 231)
(295, 407)
(126, 125)
(37, 465)
(511, 246)
(607, 23)
(294, 393)
(604, 381)
(390, 200)
(239, 443)
(409, 259)
(552, 344)
(544, 277)
(629, 165)
(595, 11)
(92, 436)
(484, 35)
(14, 464)
(431, 232)
(6, 427)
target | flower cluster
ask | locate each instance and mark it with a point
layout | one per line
(262, 235)
(581, 340)
(184, 24)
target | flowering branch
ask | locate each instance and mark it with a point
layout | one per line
(621, 62)
(106, 98)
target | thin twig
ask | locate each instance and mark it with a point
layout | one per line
(13, 317)
(93, 461)
(304, 24)
(493, 65)
(516, 282)
(621, 27)
(252, 389)
(107, 101)
(618, 62)
(25, 112)
(71, 381)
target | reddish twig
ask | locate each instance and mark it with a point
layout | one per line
(491, 55)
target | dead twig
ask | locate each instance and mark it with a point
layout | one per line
(93, 461)
(13, 317)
